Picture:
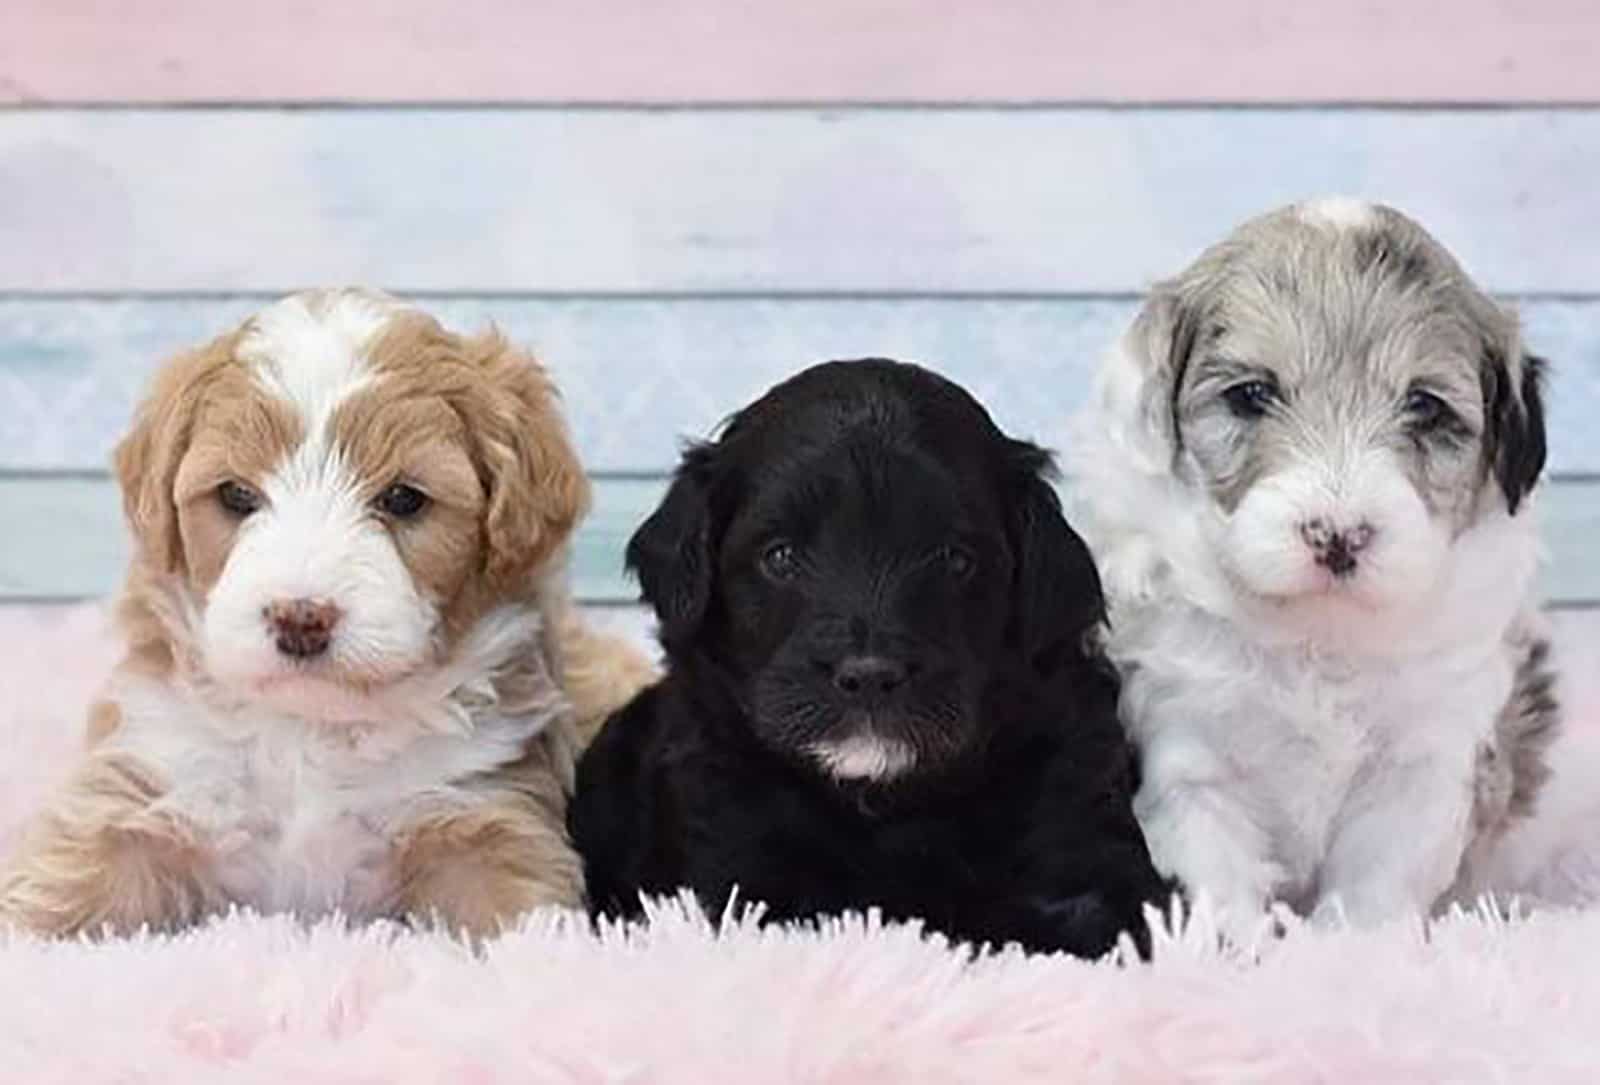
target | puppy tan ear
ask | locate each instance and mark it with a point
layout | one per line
(147, 458)
(537, 490)
(1514, 435)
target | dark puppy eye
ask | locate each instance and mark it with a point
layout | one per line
(1250, 399)
(1426, 411)
(238, 499)
(780, 561)
(958, 562)
(401, 501)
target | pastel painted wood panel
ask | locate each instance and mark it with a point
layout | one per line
(638, 376)
(70, 542)
(65, 539)
(835, 201)
(729, 50)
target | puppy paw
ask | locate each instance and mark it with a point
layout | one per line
(1084, 924)
(1365, 906)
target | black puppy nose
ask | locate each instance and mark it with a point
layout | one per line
(1334, 549)
(868, 676)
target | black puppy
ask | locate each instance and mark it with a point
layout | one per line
(883, 688)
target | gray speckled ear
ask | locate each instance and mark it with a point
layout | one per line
(1166, 332)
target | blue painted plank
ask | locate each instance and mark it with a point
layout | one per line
(930, 200)
(638, 376)
(65, 539)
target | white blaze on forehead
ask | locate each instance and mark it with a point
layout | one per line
(315, 537)
(1340, 212)
(311, 349)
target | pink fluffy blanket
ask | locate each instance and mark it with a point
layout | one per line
(269, 1000)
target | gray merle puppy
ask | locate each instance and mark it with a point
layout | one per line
(1310, 479)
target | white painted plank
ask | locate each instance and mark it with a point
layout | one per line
(1050, 199)
(65, 539)
(639, 375)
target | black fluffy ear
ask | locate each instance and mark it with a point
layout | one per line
(1514, 435)
(671, 553)
(1058, 600)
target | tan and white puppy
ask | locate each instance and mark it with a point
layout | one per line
(1308, 478)
(354, 681)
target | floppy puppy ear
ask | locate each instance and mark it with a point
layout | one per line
(536, 487)
(671, 553)
(1157, 350)
(147, 458)
(1057, 596)
(1514, 437)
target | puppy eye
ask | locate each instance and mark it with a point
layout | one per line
(780, 561)
(958, 562)
(401, 501)
(238, 499)
(1250, 399)
(1426, 411)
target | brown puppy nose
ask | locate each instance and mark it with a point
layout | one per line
(302, 627)
(1336, 549)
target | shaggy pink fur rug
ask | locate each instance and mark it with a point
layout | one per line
(249, 999)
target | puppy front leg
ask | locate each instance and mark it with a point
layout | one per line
(1214, 847)
(1398, 844)
(104, 854)
(479, 867)
(479, 873)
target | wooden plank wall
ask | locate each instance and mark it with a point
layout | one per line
(946, 51)
(676, 203)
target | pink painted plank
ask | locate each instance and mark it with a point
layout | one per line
(821, 50)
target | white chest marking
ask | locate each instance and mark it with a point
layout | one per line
(296, 816)
(1294, 739)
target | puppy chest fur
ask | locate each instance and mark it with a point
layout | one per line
(1026, 849)
(296, 816)
(1298, 744)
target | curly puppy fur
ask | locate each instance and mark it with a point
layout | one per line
(1309, 478)
(884, 684)
(347, 633)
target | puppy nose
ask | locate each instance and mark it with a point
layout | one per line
(301, 627)
(1336, 549)
(868, 676)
